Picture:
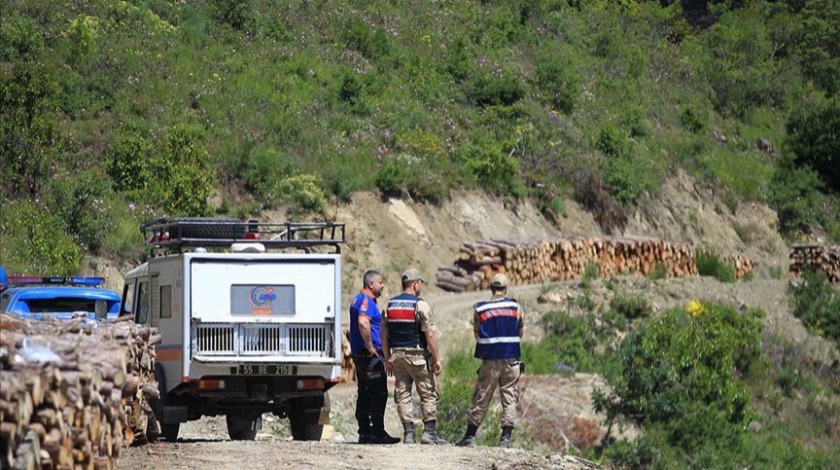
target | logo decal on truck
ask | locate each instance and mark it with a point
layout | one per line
(261, 298)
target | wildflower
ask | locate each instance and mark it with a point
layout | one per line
(695, 308)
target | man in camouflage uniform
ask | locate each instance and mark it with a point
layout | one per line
(412, 356)
(498, 326)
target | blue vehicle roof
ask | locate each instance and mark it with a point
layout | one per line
(59, 302)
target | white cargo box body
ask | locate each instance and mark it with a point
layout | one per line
(255, 314)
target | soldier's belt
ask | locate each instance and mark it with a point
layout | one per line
(409, 350)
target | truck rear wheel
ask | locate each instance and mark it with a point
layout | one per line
(304, 424)
(243, 428)
(168, 431)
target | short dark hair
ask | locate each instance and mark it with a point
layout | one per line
(408, 282)
(369, 276)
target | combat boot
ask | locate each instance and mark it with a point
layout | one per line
(408, 433)
(469, 437)
(430, 434)
(506, 436)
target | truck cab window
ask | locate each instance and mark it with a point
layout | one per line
(142, 306)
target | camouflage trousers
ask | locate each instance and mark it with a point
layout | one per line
(411, 368)
(505, 374)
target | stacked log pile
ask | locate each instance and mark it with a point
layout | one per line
(741, 264)
(561, 258)
(71, 394)
(824, 258)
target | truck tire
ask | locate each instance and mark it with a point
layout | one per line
(241, 428)
(304, 424)
(168, 431)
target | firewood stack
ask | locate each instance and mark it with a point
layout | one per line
(533, 261)
(824, 258)
(72, 394)
(741, 263)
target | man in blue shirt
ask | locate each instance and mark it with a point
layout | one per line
(366, 347)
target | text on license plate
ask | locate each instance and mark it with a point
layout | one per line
(265, 369)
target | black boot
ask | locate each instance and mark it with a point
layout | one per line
(469, 436)
(506, 436)
(430, 434)
(408, 435)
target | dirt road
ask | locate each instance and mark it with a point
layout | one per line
(274, 454)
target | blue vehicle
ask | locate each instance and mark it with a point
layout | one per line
(61, 298)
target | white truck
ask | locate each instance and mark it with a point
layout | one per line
(249, 313)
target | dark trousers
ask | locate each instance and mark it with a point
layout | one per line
(373, 393)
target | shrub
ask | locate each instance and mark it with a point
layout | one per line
(678, 376)
(129, 161)
(20, 38)
(304, 191)
(612, 140)
(571, 340)
(694, 119)
(629, 179)
(264, 166)
(541, 359)
(558, 82)
(235, 13)
(409, 175)
(813, 138)
(494, 170)
(817, 303)
(83, 201)
(182, 173)
(36, 242)
(492, 90)
(631, 306)
(709, 264)
(30, 137)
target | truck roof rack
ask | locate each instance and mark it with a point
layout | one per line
(209, 232)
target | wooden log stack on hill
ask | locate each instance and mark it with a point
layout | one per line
(72, 394)
(532, 261)
(741, 264)
(824, 258)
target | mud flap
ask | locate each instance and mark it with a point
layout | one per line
(324, 417)
(175, 414)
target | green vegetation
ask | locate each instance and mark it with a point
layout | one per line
(817, 303)
(709, 264)
(161, 105)
(707, 390)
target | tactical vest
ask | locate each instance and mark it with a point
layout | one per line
(403, 325)
(498, 330)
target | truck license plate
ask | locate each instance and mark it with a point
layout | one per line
(265, 369)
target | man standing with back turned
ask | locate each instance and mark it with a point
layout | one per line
(366, 347)
(411, 354)
(498, 327)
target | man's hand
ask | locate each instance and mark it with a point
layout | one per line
(372, 351)
(389, 368)
(437, 367)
